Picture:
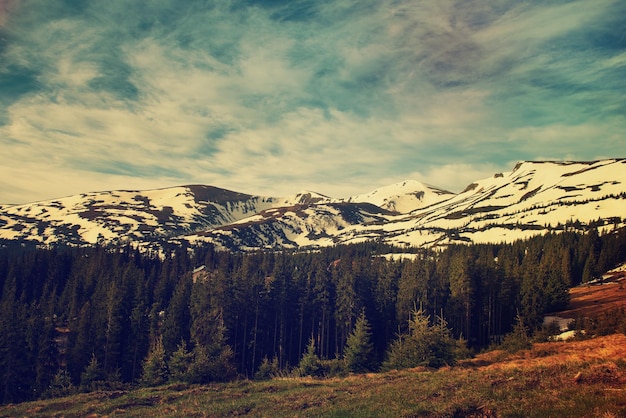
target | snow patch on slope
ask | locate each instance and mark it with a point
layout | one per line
(403, 197)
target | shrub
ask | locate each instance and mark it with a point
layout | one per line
(310, 364)
(267, 370)
(154, 367)
(211, 364)
(92, 378)
(179, 363)
(424, 345)
(61, 385)
(517, 339)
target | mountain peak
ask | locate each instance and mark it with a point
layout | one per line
(403, 197)
(305, 197)
(535, 197)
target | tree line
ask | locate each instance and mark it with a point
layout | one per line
(99, 317)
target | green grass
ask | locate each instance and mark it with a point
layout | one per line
(538, 383)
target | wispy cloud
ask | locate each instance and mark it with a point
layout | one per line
(277, 96)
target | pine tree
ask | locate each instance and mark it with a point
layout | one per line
(154, 367)
(179, 363)
(424, 345)
(518, 338)
(16, 365)
(47, 357)
(177, 320)
(114, 329)
(81, 341)
(211, 364)
(462, 291)
(309, 364)
(359, 353)
(268, 369)
(61, 385)
(92, 377)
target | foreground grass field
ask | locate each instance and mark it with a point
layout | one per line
(558, 379)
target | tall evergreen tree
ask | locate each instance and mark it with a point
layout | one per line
(176, 324)
(16, 359)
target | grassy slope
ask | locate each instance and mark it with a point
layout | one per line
(572, 379)
(592, 301)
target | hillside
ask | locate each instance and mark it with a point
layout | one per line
(566, 379)
(532, 199)
(86, 319)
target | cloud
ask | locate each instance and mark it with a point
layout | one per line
(277, 96)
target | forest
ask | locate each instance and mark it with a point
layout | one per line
(92, 318)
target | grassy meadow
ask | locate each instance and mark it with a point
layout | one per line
(557, 379)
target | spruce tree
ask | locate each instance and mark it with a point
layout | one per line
(154, 367)
(92, 377)
(179, 363)
(16, 365)
(424, 345)
(359, 353)
(268, 369)
(310, 363)
(518, 338)
(211, 364)
(177, 320)
(61, 385)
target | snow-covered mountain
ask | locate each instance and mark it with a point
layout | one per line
(127, 215)
(404, 197)
(534, 198)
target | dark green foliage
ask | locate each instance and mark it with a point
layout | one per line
(268, 369)
(359, 353)
(211, 364)
(310, 364)
(93, 377)
(518, 339)
(176, 323)
(212, 356)
(61, 385)
(179, 363)
(154, 366)
(425, 344)
(16, 375)
(94, 312)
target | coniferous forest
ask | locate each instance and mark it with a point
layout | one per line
(98, 318)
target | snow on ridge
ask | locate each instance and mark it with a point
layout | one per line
(531, 199)
(403, 197)
(305, 197)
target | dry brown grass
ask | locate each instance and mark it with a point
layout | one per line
(554, 353)
(557, 379)
(593, 300)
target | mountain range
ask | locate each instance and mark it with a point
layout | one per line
(534, 198)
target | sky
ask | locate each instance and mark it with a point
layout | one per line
(279, 96)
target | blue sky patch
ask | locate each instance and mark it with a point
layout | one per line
(276, 96)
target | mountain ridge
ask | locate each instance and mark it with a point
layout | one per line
(534, 197)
